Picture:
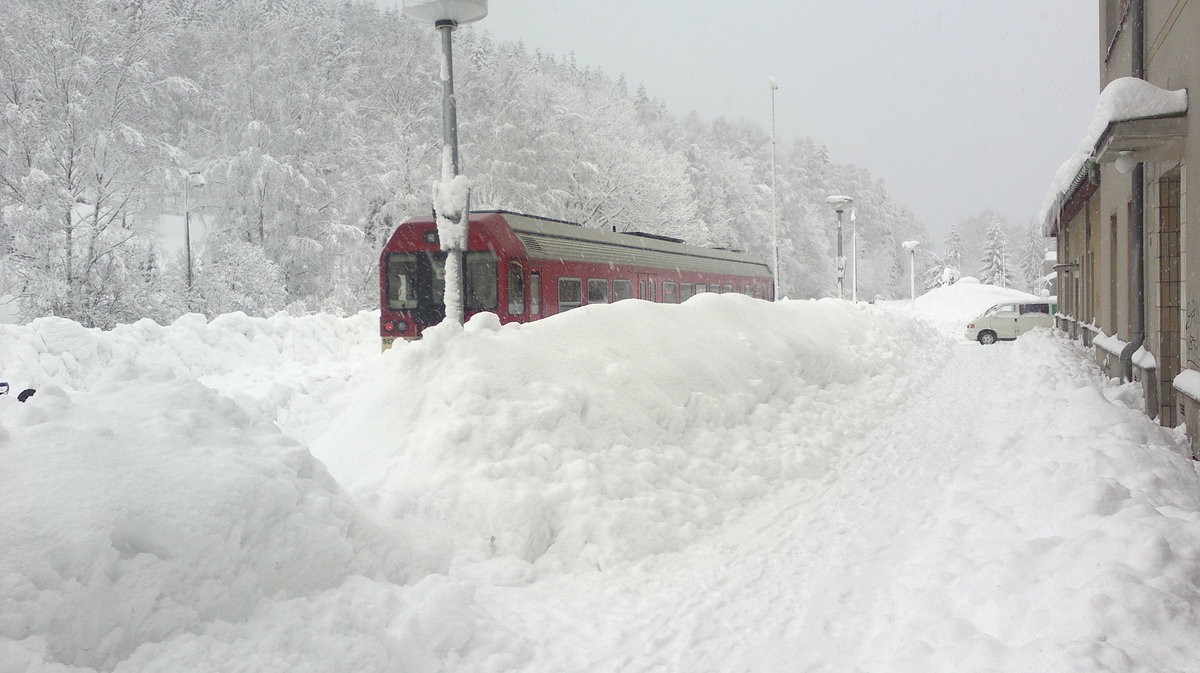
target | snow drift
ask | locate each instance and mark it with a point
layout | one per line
(725, 484)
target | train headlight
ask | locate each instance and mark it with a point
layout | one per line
(402, 327)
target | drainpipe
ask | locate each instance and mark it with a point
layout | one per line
(1137, 224)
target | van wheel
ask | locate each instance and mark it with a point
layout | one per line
(987, 338)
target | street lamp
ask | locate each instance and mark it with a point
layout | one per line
(854, 255)
(451, 196)
(195, 180)
(911, 247)
(840, 204)
(774, 216)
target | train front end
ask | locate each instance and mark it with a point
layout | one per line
(412, 275)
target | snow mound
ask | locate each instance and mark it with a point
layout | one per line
(151, 506)
(613, 432)
(950, 308)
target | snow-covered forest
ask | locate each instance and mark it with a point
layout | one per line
(315, 126)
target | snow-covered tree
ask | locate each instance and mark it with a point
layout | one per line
(237, 276)
(78, 147)
(1033, 258)
(996, 267)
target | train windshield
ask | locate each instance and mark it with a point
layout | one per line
(418, 280)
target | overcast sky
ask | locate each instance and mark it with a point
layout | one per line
(957, 105)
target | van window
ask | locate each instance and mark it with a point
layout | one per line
(570, 293)
(1035, 308)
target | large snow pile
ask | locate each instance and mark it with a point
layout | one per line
(619, 432)
(950, 308)
(725, 484)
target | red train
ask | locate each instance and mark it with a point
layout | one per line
(523, 268)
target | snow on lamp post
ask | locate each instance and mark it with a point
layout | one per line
(911, 247)
(451, 194)
(840, 204)
(195, 180)
(774, 216)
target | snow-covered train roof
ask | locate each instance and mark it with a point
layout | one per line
(546, 238)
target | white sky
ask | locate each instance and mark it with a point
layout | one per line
(958, 105)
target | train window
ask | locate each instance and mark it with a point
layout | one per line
(728, 288)
(597, 291)
(701, 288)
(535, 293)
(670, 293)
(686, 291)
(651, 295)
(401, 280)
(516, 289)
(642, 289)
(480, 275)
(622, 289)
(570, 293)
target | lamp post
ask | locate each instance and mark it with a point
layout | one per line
(911, 247)
(451, 196)
(774, 216)
(854, 255)
(195, 180)
(840, 204)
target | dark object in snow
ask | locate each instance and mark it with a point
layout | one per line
(25, 394)
(3, 387)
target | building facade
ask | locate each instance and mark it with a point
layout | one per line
(1128, 238)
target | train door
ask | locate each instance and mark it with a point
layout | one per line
(646, 282)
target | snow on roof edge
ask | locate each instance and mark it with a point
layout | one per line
(1124, 99)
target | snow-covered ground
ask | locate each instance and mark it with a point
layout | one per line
(723, 485)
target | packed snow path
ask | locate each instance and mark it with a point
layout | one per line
(913, 550)
(725, 485)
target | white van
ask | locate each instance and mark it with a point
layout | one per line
(1011, 319)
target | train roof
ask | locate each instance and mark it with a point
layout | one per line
(545, 238)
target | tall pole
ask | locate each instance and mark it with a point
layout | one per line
(912, 275)
(841, 260)
(187, 231)
(854, 254)
(774, 215)
(460, 221)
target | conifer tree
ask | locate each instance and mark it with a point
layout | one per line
(996, 267)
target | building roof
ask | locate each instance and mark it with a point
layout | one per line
(1125, 99)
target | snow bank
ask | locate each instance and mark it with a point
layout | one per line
(726, 484)
(150, 506)
(282, 368)
(950, 308)
(612, 432)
